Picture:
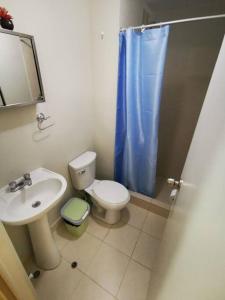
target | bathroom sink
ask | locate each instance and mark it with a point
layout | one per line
(30, 203)
(29, 206)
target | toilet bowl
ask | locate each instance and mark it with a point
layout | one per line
(108, 197)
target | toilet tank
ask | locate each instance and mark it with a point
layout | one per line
(82, 170)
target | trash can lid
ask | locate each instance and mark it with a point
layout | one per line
(75, 211)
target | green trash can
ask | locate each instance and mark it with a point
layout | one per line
(75, 215)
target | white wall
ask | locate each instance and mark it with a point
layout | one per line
(77, 67)
(63, 40)
(108, 17)
(105, 18)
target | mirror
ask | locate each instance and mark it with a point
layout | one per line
(20, 78)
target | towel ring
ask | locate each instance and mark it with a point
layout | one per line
(40, 119)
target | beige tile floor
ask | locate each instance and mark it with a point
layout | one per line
(114, 262)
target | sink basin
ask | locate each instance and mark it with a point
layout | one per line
(30, 206)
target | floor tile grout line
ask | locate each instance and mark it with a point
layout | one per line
(135, 245)
(93, 258)
(87, 275)
(125, 272)
(98, 284)
(103, 243)
(149, 286)
(111, 227)
(75, 288)
(103, 240)
(100, 245)
(152, 236)
(107, 232)
(141, 264)
(141, 229)
(133, 253)
(116, 249)
(144, 220)
(130, 259)
(150, 268)
(108, 244)
(97, 237)
(147, 268)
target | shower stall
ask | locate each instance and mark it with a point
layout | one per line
(192, 53)
(193, 47)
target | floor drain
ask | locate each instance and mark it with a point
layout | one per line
(36, 204)
(74, 264)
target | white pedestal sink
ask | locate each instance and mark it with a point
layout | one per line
(30, 206)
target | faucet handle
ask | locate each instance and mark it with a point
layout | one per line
(12, 185)
(27, 176)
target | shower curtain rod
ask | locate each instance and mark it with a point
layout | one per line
(175, 22)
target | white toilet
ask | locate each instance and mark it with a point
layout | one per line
(108, 197)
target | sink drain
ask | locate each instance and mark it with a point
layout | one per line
(36, 204)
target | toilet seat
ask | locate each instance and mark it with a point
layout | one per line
(111, 194)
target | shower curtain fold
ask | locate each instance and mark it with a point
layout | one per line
(141, 66)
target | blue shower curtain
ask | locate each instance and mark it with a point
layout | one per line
(141, 66)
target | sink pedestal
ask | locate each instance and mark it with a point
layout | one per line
(46, 253)
(30, 206)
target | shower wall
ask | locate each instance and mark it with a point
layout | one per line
(192, 52)
(131, 12)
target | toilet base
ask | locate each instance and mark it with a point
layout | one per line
(108, 216)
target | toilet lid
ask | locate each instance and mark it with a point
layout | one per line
(111, 191)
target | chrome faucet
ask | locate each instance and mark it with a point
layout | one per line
(15, 186)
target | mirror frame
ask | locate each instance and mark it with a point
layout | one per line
(42, 97)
